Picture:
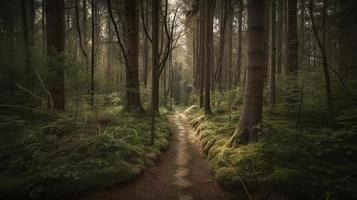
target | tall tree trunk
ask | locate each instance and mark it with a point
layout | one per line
(302, 36)
(272, 52)
(284, 44)
(10, 37)
(194, 50)
(55, 36)
(197, 51)
(155, 64)
(27, 44)
(92, 80)
(230, 47)
(347, 38)
(133, 101)
(253, 101)
(222, 38)
(239, 56)
(43, 26)
(293, 41)
(202, 54)
(209, 55)
(85, 33)
(279, 36)
(146, 42)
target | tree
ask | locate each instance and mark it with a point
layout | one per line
(55, 36)
(202, 58)
(251, 114)
(230, 45)
(222, 35)
(239, 52)
(209, 56)
(133, 101)
(155, 63)
(347, 38)
(145, 21)
(293, 41)
(129, 53)
(272, 52)
(282, 68)
(93, 62)
(28, 33)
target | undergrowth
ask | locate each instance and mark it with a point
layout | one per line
(288, 162)
(49, 156)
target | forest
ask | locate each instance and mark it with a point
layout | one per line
(178, 99)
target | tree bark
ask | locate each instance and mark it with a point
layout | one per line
(284, 44)
(133, 101)
(279, 36)
(222, 38)
(293, 41)
(239, 56)
(55, 36)
(202, 54)
(272, 52)
(347, 38)
(28, 42)
(230, 47)
(209, 56)
(155, 63)
(253, 101)
(92, 80)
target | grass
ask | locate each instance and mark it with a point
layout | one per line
(46, 156)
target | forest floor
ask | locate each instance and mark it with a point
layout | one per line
(182, 172)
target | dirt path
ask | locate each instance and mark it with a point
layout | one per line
(181, 174)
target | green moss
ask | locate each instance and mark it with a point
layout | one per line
(57, 156)
(294, 163)
(228, 177)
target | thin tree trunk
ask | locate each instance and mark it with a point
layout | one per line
(239, 60)
(222, 29)
(209, 56)
(230, 48)
(92, 80)
(272, 65)
(293, 41)
(197, 52)
(155, 63)
(146, 45)
(202, 55)
(43, 26)
(279, 36)
(284, 44)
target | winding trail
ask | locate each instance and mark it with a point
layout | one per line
(181, 174)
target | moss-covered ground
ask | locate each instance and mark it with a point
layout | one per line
(286, 163)
(50, 156)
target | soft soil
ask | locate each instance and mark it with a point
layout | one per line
(182, 172)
